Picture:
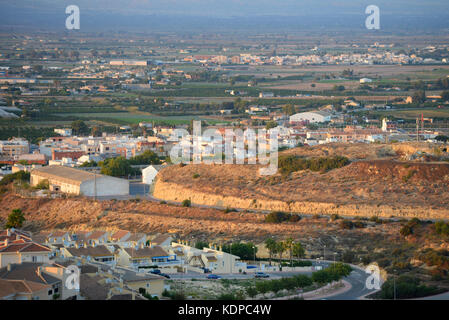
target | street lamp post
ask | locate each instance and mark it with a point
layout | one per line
(394, 284)
(254, 248)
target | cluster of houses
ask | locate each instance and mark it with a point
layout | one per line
(112, 265)
(370, 58)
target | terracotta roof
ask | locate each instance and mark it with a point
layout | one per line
(13, 287)
(146, 252)
(119, 234)
(98, 251)
(136, 236)
(58, 233)
(28, 271)
(23, 246)
(96, 234)
(160, 239)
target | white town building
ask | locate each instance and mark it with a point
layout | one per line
(311, 117)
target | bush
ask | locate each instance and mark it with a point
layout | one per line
(195, 176)
(335, 272)
(43, 185)
(441, 228)
(227, 210)
(15, 219)
(279, 217)
(289, 164)
(335, 217)
(406, 231)
(346, 224)
(406, 288)
(186, 203)
(174, 295)
(291, 283)
(18, 176)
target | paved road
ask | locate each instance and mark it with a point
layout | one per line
(357, 280)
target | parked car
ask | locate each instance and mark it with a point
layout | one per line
(213, 276)
(261, 275)
(164, 275)
(155, 271)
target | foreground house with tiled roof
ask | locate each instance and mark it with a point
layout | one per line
(97, 253)
(139, 257)
(19, 251)
(31, 281)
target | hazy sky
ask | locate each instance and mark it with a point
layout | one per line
(147, 14)
(228, 8)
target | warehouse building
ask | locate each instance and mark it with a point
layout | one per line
(80, 182)
(310, 117)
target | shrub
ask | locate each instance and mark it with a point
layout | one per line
(408, 176)
(406, 288)
(17, 176)
(335, 217)
(289, 164)
(186, 203)
(346, 224)
(406, 231)
(442, 228)
(195, 176)
(279, 217)
(15, 219)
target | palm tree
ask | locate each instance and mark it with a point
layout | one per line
(280, 249)
(270, 244)
(298, 250)
(289, 245)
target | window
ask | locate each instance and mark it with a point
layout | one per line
(50, 292)
(56, 290)
(148, 285)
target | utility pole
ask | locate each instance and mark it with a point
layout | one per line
(95, 185)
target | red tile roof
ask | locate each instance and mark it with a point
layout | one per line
(23, 246)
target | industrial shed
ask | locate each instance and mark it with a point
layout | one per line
(80, 182)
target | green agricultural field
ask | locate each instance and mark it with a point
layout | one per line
(412, 114)
(132, 118)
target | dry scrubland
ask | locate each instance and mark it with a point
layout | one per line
(377, 182)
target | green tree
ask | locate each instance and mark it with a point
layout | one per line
(280, 249)
(147, 157)
(289, 246)
(79, 127)
(15, 219)
(298, 250)
(419, 96)
(270, 244)
(289, 109)
(96, 132)
(271, 124)
(116, 167)
(445, 95)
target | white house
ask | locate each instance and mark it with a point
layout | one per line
(149, 173)
(311, 117)
(366, 80)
